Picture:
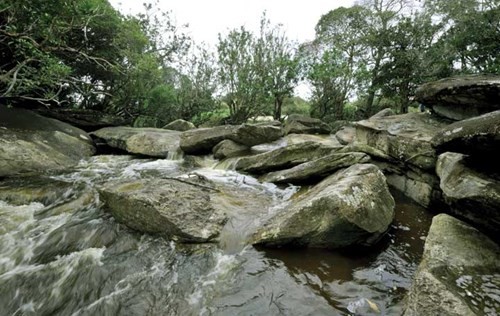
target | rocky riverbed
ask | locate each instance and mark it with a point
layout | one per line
(288, 219)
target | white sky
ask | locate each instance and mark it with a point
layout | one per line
(207, 18)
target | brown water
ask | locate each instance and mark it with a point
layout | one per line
(57, 259)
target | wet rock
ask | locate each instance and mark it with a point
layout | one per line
(153, 142)
(460, 98)
(201, 141)
(299, 124)
(478, 136)
(470, 194)
(182, 210)
(406, 138)
(228, 149)
(31, 143)
(353, 206)
(180, 125)
(316, 169)
(458, 273)
(284, 157)
(420, 186)
(251, 135)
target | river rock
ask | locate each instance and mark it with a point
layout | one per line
(284, 157)
(346, 135)
(352, 206)
(470, 194)
(299, 124)
(180, 125)
(316, 169)
(383, 113)
(173, 208)
(153, 142)
(201, 141)
(478, 136)
(463, 97)
(251, 135)
(228, 149)
(458, 274)
(406, 138)
(31, 143)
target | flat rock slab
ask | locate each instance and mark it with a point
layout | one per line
(406, 138)
(180, 125)
(459, 273)
(298, 124)
(31, 143)
(316, 169)
(228, 149)
(478, 136)
(470, 194)
(463, 97)
(153, 142)
(284, 157)
(175, 209)
(352, 206)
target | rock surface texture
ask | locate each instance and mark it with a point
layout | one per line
(470, 194)
(153, 142)
(463, 97)
(284, 157)
(175, 209)
(478, 136)
(353, 206)
(298, 124)
(31, 143)
(180, 125)
(316, 169)
(458, 273)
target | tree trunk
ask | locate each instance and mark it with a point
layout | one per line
(278, 103)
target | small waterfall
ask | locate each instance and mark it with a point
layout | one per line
(177, 154)
(227, 164)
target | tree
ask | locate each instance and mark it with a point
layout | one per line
(336, 59)
(278, 64)
(238, 75)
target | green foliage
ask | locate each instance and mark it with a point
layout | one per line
(257, 70)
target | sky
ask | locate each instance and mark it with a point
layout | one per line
(208, 18)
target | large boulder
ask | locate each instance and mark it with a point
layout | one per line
(251, 135)
(201, 141)
(299, 124)
(316, 169)
(458, 274)
(459, 98)
(182, 210)
(153, 142)
(470, 194)
(346, 135)
(406, 138)
(353, 206)
(88, 120)
(228, 149)
(478, 136)
(31, 143)
(284, 157)
(180, 125)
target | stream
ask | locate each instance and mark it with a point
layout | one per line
(61, 253)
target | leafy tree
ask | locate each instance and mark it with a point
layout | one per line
(336, 60)
(278, 64)
(238, 75)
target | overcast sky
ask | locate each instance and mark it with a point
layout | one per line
(207, 18)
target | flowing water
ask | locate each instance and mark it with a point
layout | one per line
(61, 253)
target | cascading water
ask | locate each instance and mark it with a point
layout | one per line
(61, 253)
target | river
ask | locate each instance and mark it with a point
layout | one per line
(61, 253)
